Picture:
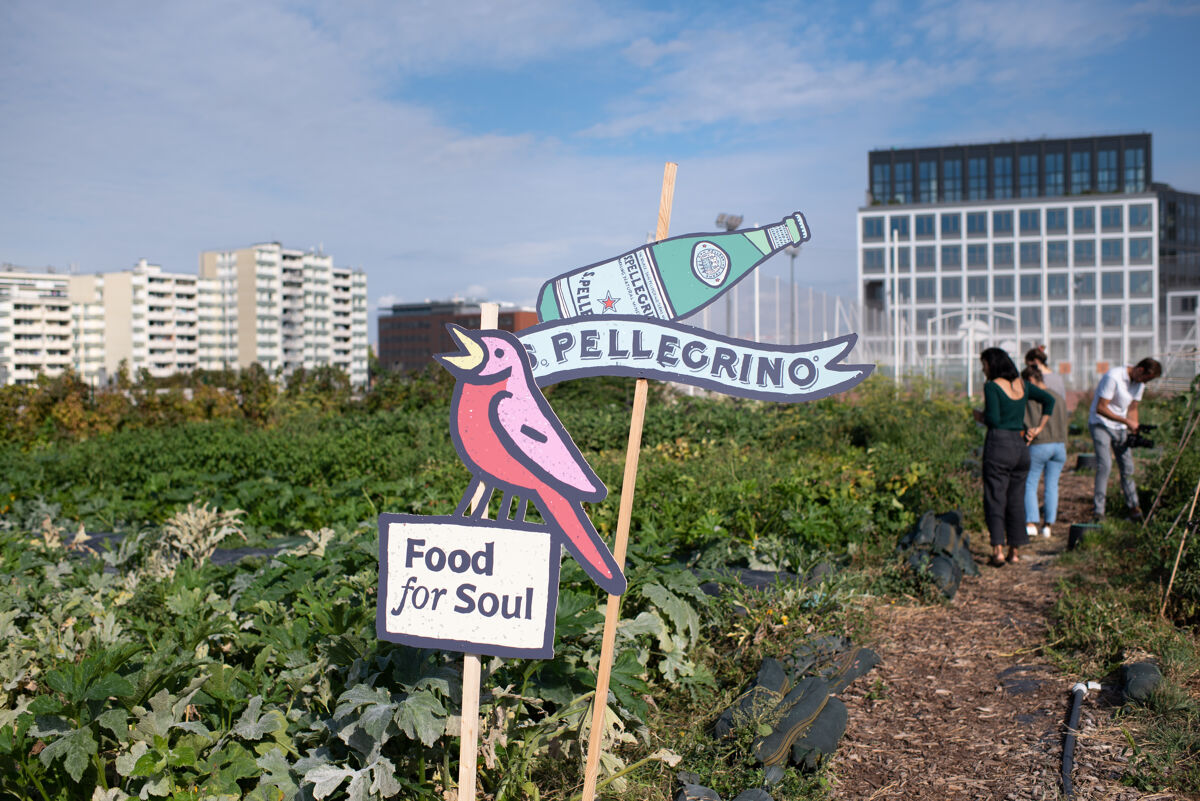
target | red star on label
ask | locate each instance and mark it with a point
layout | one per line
(610, 303)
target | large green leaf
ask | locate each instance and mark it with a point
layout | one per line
(75, 750)
(422, 716)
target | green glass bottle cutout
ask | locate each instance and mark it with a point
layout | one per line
(668, 279)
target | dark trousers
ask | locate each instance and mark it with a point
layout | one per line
(1005, 466)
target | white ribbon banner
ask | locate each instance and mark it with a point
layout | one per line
(643, 347)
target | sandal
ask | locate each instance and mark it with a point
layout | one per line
(996, 561)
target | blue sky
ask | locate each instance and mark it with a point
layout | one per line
(479, 148)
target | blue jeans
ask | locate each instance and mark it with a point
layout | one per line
(1109, 442)
(1050, 457)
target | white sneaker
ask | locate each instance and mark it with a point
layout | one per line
(1045, 531)
(1031, 529)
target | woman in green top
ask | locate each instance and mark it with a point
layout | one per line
(1006, 452)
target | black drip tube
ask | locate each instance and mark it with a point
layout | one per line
(1077, 694)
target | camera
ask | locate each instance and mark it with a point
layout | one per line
(1136, 440)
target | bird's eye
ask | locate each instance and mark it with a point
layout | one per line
(499, 353)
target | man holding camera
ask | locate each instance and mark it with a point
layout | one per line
(1113, 419)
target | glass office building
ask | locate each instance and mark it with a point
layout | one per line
(1062, 242)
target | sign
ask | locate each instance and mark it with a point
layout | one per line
(484, 587)
(636, 346)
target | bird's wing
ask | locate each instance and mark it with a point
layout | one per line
(533, 435)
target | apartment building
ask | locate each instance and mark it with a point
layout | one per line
(1012, 244)
(148, 317)
(35, 325)
(285, 309)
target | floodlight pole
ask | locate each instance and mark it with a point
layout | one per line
(793, 251)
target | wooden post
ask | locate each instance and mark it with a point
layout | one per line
(1179, 554)
(612, 609)
(468, 746)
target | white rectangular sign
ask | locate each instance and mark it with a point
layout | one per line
(477, 586)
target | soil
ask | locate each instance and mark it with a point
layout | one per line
(964, 705)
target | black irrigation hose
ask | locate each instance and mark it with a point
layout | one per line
(1077, 692)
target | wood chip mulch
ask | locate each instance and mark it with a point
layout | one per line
(964, 705)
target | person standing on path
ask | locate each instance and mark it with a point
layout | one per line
(1111, 419)
(1036, 358)
(1047, 437)
(1005, 452)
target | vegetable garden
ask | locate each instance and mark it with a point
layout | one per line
(142, 657)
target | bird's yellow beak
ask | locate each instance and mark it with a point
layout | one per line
(472, 358)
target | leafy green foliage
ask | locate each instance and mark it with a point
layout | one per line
(142, 668)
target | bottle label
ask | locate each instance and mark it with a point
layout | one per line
(710, 263)
(629, 284)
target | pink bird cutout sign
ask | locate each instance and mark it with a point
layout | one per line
(462, 582)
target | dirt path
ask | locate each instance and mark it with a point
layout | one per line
(965, 707)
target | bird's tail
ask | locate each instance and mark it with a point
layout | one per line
(583, 541)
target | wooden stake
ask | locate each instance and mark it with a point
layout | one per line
(1179, 554)
(612, 610)
(468, 745)
(1187, 435)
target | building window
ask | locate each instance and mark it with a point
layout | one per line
(903, 181)
(1141, 315)
(952, 289)
(952, 225)
(926, 257)
(1031, 287)
(1139, 250)
(1002, 255)
(1002, 177)
(1110, 316)
(923, 223)
(1141, 284)
(900, 226)
(904, 289)
(1085, 285)
(872, 260)
(1085, 219)
(1110, 349)
(1111, 251)
(1031, 254)
(977, 179)
(1059, 318)
(880, 185)
(928, 181)
(1031, 221)
(1005, 322)
(951, 257)
(1110, 218)
(1112, 285)
(902, 259)
(977, 289)
(1085, 318)
(1135, 169)
(926, 287)
(1055, 178)
(1056, 221)
(1029, 175)
(872, 228)
(1106, 171)
(1002, 287)
(1031, 317)
(952, 180)
(977, 257)
(1056, 253)
(1085, 253)
(1002, 223)
(1139, 217)
(1081, 173)
(977, 223)
(1056, 286)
